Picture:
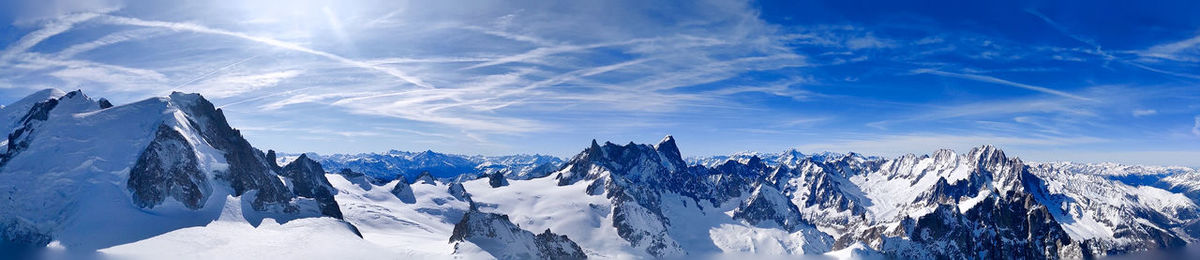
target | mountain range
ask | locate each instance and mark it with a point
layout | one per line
(393, 164)
(168, 177)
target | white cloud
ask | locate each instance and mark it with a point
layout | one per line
(1144, 112)
(994, 80)
(237, 84)
(1172, 50)
(26, 12)
(868, 41)
(517, 69)
(268, 41)
(1196, 126)
(50, 29)
(110, 39)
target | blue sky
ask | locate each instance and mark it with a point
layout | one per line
(1062, 80)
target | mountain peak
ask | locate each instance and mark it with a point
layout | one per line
(987, 148)
(44, 94)
(187, 98)
(670, 151)
(73, 93)
(667, 139)
(988, 152)
(595, 150)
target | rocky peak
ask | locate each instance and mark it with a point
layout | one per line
(167, 169)
(987, 154)
(496, 179)
(1004, 173)
(555, 246)
(753, 167)
(459, 192)
(426, 155)
(77, 102)
(248, 167)
(944, 155)
(11, 115)
(104, 103)
(304, 163)
(792, 157)
(594, 149)
(638, 162)
(20, 120)
(273, 161)
(308, 180)
(403, 191)
(425, 178)
(670, 151)
(497, 235)
(767, 207)
(40, 111)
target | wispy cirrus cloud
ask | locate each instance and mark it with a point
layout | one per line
(995, 80)
(237, 84)
(522, 76)
(1144, 112)
(50, 29)
(1196, 126)
(264, 40)
(1174, 50)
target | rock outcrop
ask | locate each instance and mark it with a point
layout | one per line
(497, 235)
(168, 169)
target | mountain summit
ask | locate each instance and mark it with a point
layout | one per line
(90, 176)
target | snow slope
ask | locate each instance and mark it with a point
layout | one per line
(66, 174)
(411, 230)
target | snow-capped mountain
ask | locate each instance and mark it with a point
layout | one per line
(168, 176)
(504, 240)
(85, 176)
(390, 165)
(1117, 209)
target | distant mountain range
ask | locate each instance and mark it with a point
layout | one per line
(168, 176)
(388, 166)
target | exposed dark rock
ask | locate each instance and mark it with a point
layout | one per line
(18, 235)
(753, 168)
(768, 207)
(248, 167)
(272, 161)
(168, 168)
(308, 180)
(104, 103)
(403, 191)
(459, 192)
(425, 178)
(671, 154)
(20, 137)
(1013, 225)
(555, 246)
(496, 179)
(637, 215)
(497, 235)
